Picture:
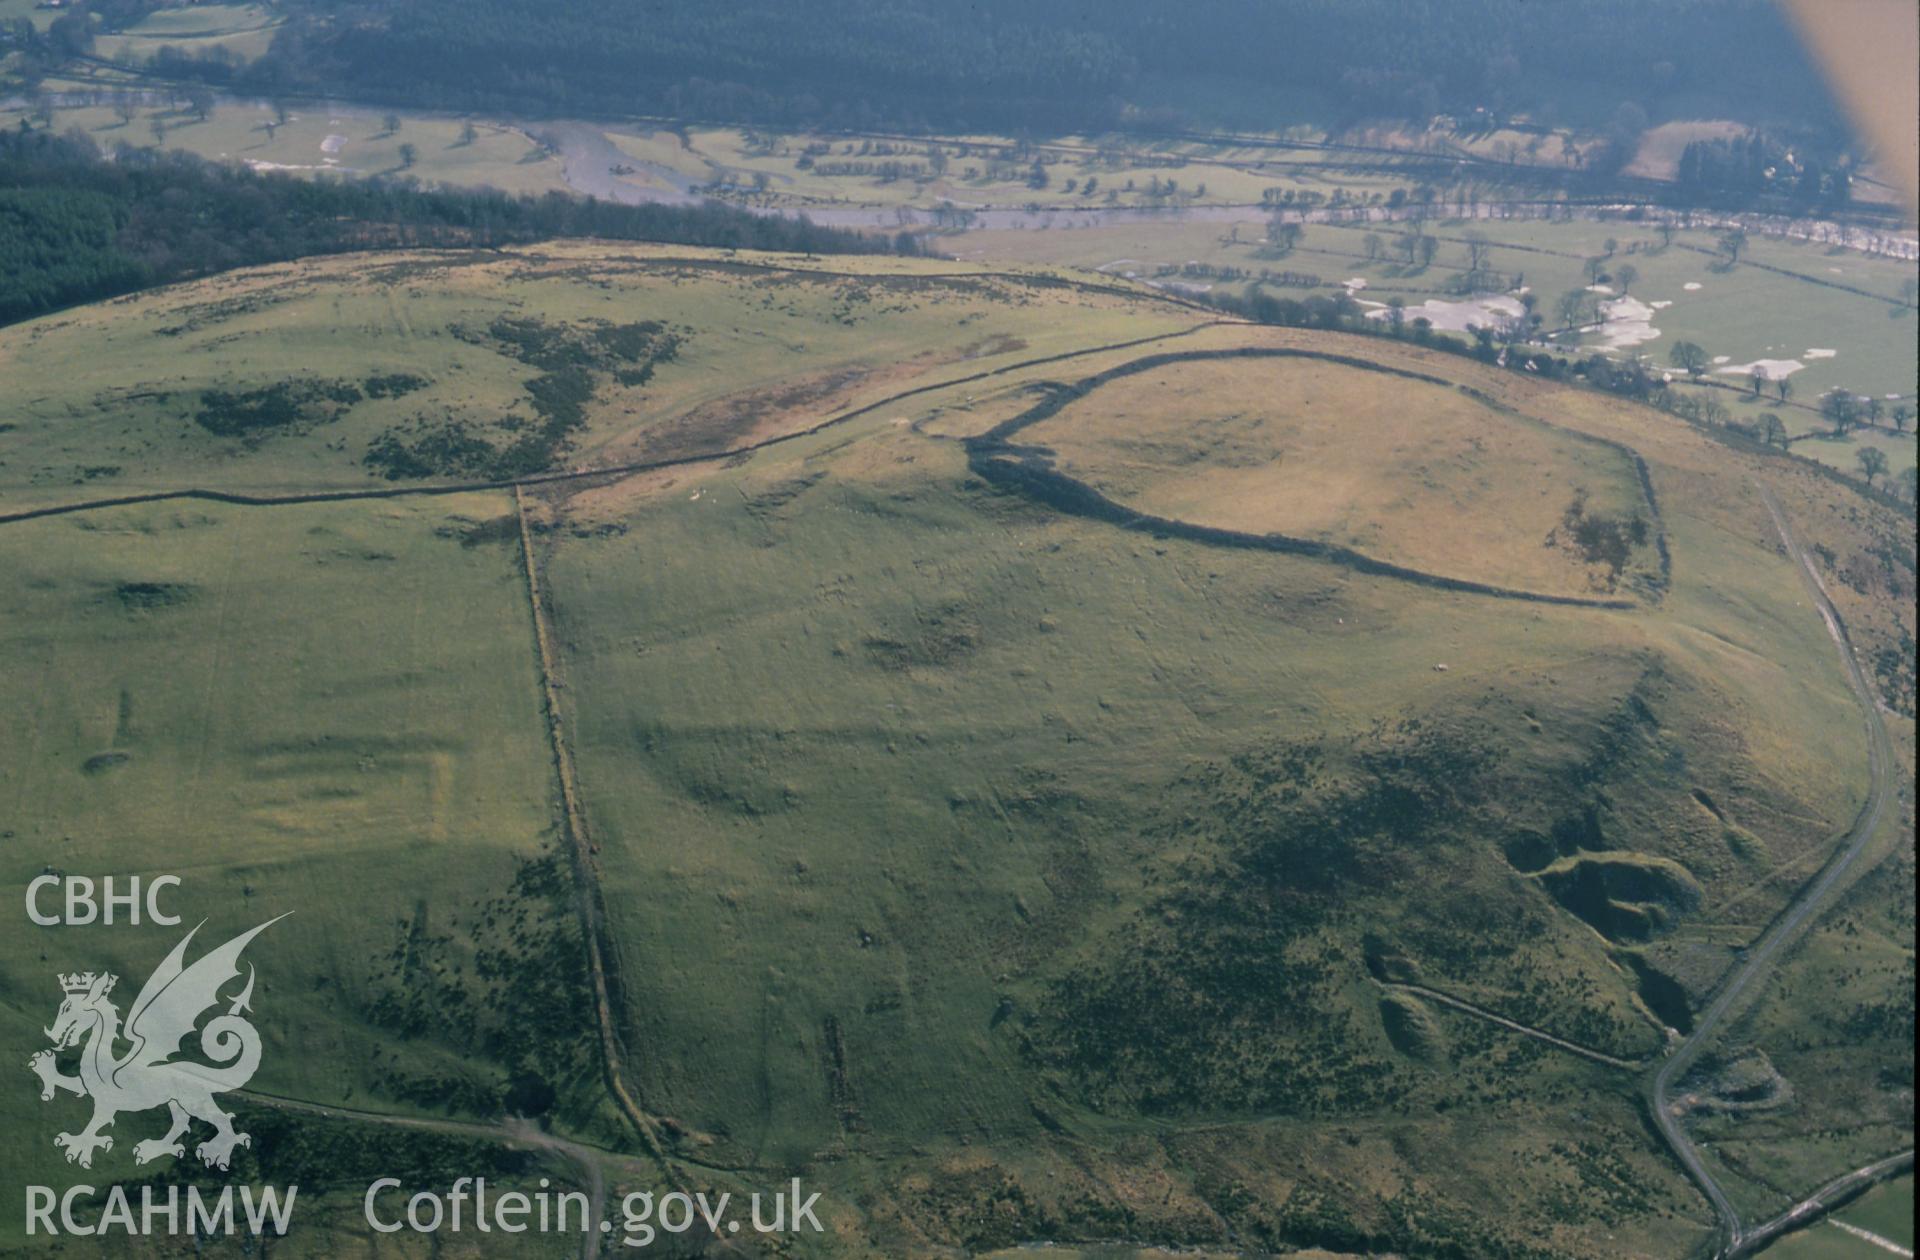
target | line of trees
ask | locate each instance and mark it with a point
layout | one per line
(75, 227)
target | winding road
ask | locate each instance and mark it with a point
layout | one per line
(1761, 956)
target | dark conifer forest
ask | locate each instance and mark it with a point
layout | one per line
(76, 226)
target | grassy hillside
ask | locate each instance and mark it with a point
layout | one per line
(329, 712)
(966, 790)
(1008, 873)
(632, 353)
(1385, 464)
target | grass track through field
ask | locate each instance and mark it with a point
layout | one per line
(515, 1132)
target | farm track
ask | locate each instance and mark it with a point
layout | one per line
(590, 1160)
(1759, 958)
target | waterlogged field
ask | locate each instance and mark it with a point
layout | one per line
(1009, 874)
(823, 171)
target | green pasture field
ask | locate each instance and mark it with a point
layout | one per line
(1886, 1210)
(13, 10)
(1745, 314)
(330, 712)
(334, 141)
(992, 171)
(244, 30)
(965, 857)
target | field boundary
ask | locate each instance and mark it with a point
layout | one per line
(1512, 1025)
(348, 495)
(580, 854)
(1823, 1202)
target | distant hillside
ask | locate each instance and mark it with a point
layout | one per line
(1053, 64)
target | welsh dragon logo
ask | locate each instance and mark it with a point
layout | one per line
(169, 1007)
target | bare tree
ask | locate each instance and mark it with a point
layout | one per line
(1478, 247)
(1841, 410)
(1872, 461)
(1570, 306)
